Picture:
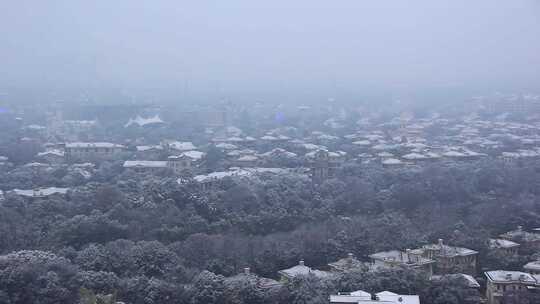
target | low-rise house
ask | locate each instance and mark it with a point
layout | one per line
(149, 152)
(40, 192)
(449, 258)
(247, 161)
(180, 163)
(145, 165)
(324, 164)
(179, 146)
(362, 297)
(92, 150)
(504, 246)
(346, 264)
(350, 297)
(300, 270)
(144, 122)
(247, 275)
(524, 238)
(399, 259)
(51, 156)
(532, 267)
(466, 278)
(501, 283)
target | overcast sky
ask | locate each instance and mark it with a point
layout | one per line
(235, 46)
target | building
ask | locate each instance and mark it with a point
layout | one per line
(300, 270)
(346, 264)
(323, 164)
(92, 151)
(449, 259)
(261, 282)
(145, 165)
(503, 246)
(527, 239)
(178, 164)
(466, 278)
(384, 297)
(532, 267)
(51, 156)
(40, 192)
(502, 284)
(396, 259)
(150, 152)
(350, 297)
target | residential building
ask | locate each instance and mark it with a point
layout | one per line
(362, 297)
(300, 270)
(501, 284)
(346, 264)
(449, 259)
(396, 259)
(526, 239)
(532, 267)
(178, 163)
(504, 246)
(323, 164)
(145, 165)
(92, 150)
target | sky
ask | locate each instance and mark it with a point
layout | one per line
(256, 48)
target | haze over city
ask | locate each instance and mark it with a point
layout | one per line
(270, 152)
(277, 50)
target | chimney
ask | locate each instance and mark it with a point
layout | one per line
(246, 270)
(301, 263)
(441, 243)
(520, 228)
(350, 257)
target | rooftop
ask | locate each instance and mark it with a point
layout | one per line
(503, 276)
(400, 257)
(501, 243)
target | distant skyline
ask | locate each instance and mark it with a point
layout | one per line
(276, 49)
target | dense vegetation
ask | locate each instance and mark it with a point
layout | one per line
(148, 239)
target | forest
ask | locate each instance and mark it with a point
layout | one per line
(149, 239)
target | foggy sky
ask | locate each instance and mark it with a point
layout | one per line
(261, 46)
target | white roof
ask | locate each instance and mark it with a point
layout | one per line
(238, 172)
(35, 127)
(248, 158)
(226, 146)
(92, 145)
(182, 146)
(412, 156)
(352, 297)
(195, 155)
(501, 243)
(51, 152)
(144, 121)
(503, 276)
(269, 137)
(145, 164)
(454, 154)
(41, 191)
(534, 265)
(362, 143)
(392, 161)
(147, 148)
(309, 146)
(360, 293)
